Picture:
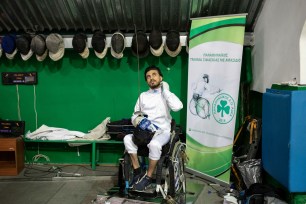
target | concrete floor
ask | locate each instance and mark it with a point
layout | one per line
(74, 184)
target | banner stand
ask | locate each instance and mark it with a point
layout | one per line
(214, 67)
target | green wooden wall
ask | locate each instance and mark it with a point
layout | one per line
(78, 94)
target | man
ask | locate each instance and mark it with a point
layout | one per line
(156, 104)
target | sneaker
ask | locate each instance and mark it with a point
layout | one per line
(144, 182)
(136, 179)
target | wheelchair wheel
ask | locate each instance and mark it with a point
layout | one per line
(177, 180)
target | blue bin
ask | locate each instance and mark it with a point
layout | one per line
(284, 137)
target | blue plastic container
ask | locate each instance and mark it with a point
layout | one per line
(284, 137)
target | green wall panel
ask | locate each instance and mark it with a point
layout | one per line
(109, 153)
(78, 94)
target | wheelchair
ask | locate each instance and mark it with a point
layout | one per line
(170, 181)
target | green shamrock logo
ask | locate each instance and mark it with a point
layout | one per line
(223, 107)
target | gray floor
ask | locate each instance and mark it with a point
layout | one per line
(73, 184)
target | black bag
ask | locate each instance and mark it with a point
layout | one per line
(256, 193)
(118, 129)
(142, 137)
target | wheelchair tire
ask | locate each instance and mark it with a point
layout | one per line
(177, 180)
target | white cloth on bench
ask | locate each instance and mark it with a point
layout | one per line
(45, 132)
(98, 133)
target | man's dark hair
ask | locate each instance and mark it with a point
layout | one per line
(152, 67)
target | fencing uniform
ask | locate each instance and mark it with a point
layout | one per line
(157, 104)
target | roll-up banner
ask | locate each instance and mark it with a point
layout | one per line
(215, 55)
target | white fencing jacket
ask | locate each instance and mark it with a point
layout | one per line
(157, 105)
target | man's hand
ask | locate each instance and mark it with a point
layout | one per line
(164, 86)
(137, 120)
(144, 124)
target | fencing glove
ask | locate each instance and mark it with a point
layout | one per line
(144, 124)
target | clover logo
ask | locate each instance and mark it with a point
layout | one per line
(223, 108)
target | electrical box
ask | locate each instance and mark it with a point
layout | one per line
(11, 128)
(11, 78)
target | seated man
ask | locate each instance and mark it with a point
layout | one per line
(155, 104)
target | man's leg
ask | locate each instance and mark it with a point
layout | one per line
(152, 165)
(155, 150)
(131, 148)
(135, 162)
(146, 180)
(155, 147)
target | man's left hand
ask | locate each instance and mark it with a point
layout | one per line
(164, 86)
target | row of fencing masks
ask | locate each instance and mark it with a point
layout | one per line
(155, 44)
(98, 43)
(39, 45)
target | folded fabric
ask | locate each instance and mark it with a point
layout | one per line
(98, 133)
(53, 133)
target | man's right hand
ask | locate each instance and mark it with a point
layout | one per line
(137, 120)
(144, 124)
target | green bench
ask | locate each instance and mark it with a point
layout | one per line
(93, 144)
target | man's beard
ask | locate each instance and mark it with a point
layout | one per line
(154, 86)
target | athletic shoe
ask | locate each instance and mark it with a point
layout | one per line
(144, 182)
